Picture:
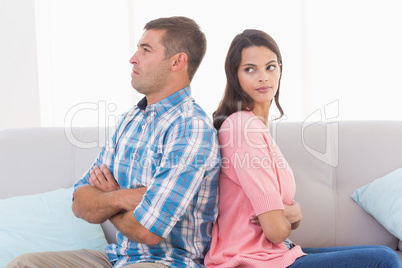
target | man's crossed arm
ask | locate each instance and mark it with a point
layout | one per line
(104, 200)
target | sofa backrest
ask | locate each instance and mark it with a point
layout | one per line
(43, 159)
(38, 160)
(330, 160)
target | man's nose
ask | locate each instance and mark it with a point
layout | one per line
(134, 59)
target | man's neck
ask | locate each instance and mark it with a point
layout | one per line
(157, 97)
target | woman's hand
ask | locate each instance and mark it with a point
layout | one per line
(292, 213)
(254, 220)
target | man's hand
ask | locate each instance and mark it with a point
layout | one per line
(103, 198)
(103, 179)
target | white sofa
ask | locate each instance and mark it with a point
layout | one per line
(329, 160)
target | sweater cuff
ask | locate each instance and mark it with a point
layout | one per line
(264, 202)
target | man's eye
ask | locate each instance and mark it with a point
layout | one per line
(146, 50)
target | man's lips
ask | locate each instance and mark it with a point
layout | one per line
(135, 72)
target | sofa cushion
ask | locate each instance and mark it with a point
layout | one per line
(382, 199)
(44, 222)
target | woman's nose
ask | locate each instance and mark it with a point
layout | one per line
(264, 77)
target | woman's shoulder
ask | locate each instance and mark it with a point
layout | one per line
(241, 119)
(243, 126)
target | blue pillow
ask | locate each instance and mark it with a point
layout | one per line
(382, 199)
(44, 222)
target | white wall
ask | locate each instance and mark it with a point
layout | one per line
(221, 21)
(19, 99)
(352, 53)
(66, 62)
(84, 72)
(341, 56)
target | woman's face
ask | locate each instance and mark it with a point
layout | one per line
(259, 74)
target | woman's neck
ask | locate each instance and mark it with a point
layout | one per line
(262, 113)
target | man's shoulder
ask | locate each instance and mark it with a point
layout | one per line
(190, 112)
(189, 107)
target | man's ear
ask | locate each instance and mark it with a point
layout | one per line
(179, 61)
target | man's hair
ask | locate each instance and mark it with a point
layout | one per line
(182, 35)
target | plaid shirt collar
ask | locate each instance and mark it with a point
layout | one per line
(166, 104)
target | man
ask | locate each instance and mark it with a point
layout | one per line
(156, 177)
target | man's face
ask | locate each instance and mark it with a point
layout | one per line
(150, 68)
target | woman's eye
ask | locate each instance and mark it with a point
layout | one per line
(249, 70)
(271, 67)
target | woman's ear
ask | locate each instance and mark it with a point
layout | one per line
(179, 61)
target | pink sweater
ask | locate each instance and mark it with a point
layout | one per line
(255, 178)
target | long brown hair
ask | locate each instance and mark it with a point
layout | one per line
(235, 98)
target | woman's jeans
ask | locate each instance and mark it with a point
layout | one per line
(350, 257)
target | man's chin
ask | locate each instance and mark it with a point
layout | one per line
(138, 89)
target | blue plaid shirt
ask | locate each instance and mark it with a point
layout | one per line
(171, 148)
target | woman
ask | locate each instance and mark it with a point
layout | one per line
(257, 210)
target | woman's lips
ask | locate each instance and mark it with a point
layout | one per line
(263, 89)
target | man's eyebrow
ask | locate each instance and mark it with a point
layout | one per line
(144, 45)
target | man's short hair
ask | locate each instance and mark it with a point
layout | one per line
(182, 35)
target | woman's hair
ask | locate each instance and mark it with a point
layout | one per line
(235, 98)
(182, 35)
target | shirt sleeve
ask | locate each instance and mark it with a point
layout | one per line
(188, 150)
(253, 164)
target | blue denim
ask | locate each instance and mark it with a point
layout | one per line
(350, 257)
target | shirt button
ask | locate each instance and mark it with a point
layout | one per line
(143, 127)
